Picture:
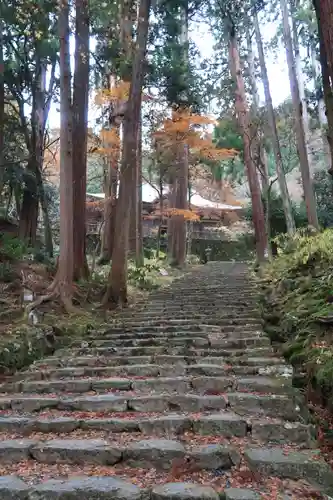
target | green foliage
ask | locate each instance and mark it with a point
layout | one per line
(323, 187)
(12, 248)
(240, 249)
(7, 272)
(143, 277)
(297, 289)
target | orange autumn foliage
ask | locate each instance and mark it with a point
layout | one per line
(118, 93)
(186, 128)
(187, 214)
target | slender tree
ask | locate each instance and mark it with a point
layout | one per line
(80, 132)
(324, 13)
(244, 123)
(310, 201)
(117, 286)
(290, 223)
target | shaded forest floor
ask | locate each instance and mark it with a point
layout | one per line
(25, 336)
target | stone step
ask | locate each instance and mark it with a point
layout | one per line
(161, 454)
(217, 345)
(244, 404)
(167, 370)
(183, 339)
(224, 423)
(143, 454)
(199, 384)
(215, 317)
(307, 465)
(160, 331)
(205, 323)
(113, 487)
(246, 331)
(221, 356)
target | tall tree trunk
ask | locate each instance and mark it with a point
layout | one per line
(47, 226)
(290, 222)
(301, 85)
(320, 101)
(310, 201)
(2, 110)
(110, 186)
(64, 278)
(244, 123)
(178, 223)
(139, 258)
(324, 13)
(80, 135)
(117, 284)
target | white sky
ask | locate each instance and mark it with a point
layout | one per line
(276, 67)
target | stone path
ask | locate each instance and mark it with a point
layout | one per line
(182, 399)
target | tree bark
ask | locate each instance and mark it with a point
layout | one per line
(116, 292)
(139, 258)
(301, 85)
(244, 123)
(324, 13)
(64, 278)
(287, 208)
(2, 109)
(110, 186)
(80, 135)
(310, 201)
(178, 222)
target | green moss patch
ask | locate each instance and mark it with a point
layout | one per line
(297, 305)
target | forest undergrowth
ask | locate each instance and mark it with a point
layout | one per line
(296, 295)
(27, 335)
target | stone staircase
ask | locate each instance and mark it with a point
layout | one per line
(183, 398)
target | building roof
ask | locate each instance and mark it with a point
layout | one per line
(150, 194)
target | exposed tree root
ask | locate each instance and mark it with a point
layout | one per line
(57, 290)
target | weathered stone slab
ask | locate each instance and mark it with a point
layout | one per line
(51, 386)
(149, 403)
(278, 431)
(16, 424)
(12, 488)
(178, 384)
(294, 465)
(168, 424)
(100, 402)
(221, 424)
(77, 451)
(183, 491)
(59, 424)
(241, 494)
(209, 370)
(140, 370)
(15, 450)
(120, 384)
(214, 456)
(158, 453)
(169, 370)
(240, 343)
(265, 384)
(215, 384)
(276, 406)
(87, 488)
(166, 359)
(111, 424)
(33, 403)
(195, 403)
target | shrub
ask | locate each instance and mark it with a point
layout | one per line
(297, 292)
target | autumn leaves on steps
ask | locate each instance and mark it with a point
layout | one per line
(183, 398)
